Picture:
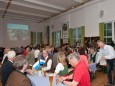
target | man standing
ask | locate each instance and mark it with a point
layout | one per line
(107, 52)
(7, 67)
(80, 75)
(48, 62)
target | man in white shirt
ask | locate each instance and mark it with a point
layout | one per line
(36, 54)
(48, 62)
(107, 52)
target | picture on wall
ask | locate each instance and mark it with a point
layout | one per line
(65, 34)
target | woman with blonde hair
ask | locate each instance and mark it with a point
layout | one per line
(61, 68)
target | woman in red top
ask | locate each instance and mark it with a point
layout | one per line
(83, 56)
(26, 51)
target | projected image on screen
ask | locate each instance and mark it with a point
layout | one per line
(17, 31)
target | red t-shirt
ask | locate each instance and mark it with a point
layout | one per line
(25, 53)
(84, 59)
(86, 55)
(81, 74)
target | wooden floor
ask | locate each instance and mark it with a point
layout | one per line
(100, 80)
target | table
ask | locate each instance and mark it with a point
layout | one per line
(41, 80)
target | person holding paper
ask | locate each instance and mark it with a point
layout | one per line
(107, 52)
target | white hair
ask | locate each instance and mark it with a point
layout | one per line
(74, 56)
(11, 54)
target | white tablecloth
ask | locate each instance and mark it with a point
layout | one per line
(41, 81)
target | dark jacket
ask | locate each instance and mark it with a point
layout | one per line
(17, 78)
(7, 68)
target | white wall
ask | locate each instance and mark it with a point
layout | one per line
(108, 6)
(77, 18)
(57, 24)
(88, 16)
(91, 20)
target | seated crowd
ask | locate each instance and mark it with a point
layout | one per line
(72, 65)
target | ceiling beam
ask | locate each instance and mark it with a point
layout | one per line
(26, 13)
(33, 7)
(80, 1)
(15, 17)
(9, 2)
(70, 10)
(45, 4)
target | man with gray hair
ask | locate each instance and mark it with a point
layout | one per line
(80, 75)
(7, 67)
(17, 77)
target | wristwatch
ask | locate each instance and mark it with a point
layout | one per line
(63, 82)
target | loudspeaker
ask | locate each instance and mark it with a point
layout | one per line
(101, 13)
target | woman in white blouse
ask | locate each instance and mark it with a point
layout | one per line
(61, 68)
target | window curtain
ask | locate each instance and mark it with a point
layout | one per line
(53, 38)
(41, 38)
(60, 37)
(48, 34)
(101, 30)
(31, 38)
(71, 36)
(82, 34)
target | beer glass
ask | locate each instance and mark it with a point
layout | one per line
(30, 66)
(40, 73)
(44, 73)
(51, 79)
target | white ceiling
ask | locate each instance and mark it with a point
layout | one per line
(37, 9)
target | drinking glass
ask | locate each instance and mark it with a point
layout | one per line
(51, 79)
(44, 73)
(30, 66)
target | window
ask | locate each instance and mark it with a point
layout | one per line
(79, 35)
(57, 38)
(108, 33)
(36, 37)
(76, 35)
